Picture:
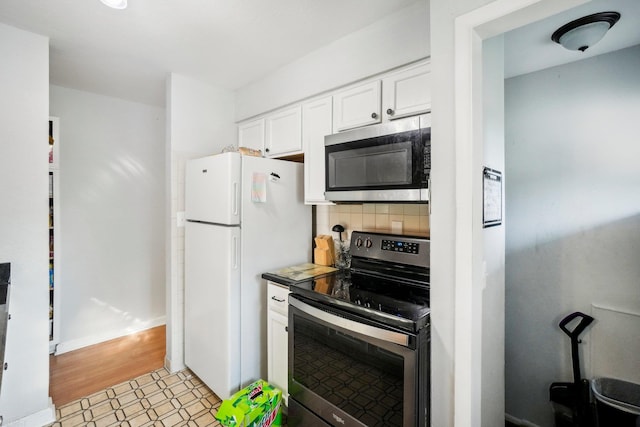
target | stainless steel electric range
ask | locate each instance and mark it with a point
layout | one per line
(359, 339)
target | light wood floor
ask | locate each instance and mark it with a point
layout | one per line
(85, 371)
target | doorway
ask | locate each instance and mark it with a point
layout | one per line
(467, 373)
(472, 269)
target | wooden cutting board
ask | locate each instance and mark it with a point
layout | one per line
(303, 271)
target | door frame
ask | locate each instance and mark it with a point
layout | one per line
(470, 30)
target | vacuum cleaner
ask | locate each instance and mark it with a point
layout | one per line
(571, 400)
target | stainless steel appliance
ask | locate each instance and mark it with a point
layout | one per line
(359, 339)
(390, 162)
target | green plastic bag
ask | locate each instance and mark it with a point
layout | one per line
(257, 405)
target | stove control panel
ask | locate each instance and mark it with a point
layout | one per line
(410, 250)
(400, 246)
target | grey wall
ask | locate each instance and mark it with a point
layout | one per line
(573, 203)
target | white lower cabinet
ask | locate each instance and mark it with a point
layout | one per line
(278, 337)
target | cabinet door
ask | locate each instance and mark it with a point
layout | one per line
(277, 298)
(278, 341)
(316, 123)
(284, 133)
(251, 134)
(357, 106)
(407, 93)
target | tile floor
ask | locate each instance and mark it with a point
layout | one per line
(158, 399)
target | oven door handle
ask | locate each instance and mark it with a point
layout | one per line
(350, 325)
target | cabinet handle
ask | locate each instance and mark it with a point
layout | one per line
(6, 366)
(374, 115)
(390, 111)
(286, 329)
(266, 149)
(277, 299)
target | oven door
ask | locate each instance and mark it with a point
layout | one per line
(350, 373)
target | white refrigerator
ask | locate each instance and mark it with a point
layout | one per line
(245, 216)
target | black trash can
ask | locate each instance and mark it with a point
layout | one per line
(617, 402)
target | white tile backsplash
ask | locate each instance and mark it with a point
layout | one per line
(375, 217)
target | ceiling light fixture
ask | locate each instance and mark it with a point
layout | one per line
(115, 4)
(586, 31)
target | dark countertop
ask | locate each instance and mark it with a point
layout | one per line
(298, 273)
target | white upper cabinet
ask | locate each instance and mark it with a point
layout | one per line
(251, 134)
(301, 128)
(357, 106)
(284, 132)
(399, 94)
(407, 92)
(316, 123)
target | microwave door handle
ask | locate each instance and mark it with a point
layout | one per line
(350, 325)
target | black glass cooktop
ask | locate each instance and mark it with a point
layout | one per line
(385, 300)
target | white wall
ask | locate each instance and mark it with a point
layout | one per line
(573, 198)
(200, 122)
(24, 114)
(111, 216)
(493, 240)
(444, 212)
(398, 39)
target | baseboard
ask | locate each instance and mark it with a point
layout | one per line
(519, 422)
(66, 346)
(40, 418)
(172, 366)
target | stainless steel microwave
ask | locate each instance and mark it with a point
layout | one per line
(390, 162)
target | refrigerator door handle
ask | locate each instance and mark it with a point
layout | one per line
(234, 251)
(235, 198)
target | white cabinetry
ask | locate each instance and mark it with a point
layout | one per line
(284, 132)
(300, 129)
(251, 134)
(407, 92)
(278, 337)
(357, 106)
(316, 123)
(400, 94)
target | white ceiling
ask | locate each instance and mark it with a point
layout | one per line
(530, 48)
(229, 43)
